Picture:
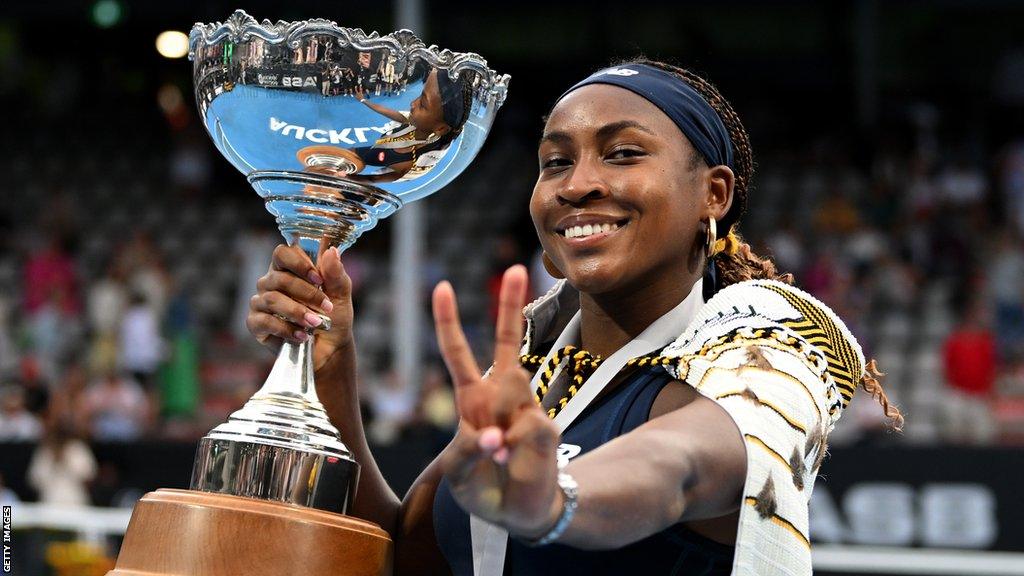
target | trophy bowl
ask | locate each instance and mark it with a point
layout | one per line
(335, 129)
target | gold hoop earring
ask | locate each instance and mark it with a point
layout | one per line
(550, 266)
(709, 243)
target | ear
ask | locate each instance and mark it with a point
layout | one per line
(720, 182)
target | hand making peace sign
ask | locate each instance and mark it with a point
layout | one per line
(501, 464)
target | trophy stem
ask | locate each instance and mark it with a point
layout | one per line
(280, 446)
(292, 374)
(317, 210)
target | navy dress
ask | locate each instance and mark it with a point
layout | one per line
(675, 550)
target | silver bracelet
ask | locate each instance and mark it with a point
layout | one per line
(570, 490)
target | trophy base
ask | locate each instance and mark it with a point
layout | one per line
(189, 533)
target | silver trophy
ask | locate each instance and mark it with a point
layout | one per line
(335, 129)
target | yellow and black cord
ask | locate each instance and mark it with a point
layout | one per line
(582, 365)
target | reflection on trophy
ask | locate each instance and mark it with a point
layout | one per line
(335, 129)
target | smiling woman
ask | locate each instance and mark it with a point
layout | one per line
(679, 391)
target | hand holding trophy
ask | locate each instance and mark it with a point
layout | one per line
(335, 129)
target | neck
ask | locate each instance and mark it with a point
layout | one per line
(610, 321)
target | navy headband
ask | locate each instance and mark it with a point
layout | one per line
(678, 100)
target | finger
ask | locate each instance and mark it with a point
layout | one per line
(298, 289)
(532, 442)
(508, 333)
(337, 284)
(450, 338)
(293, 259)
(463, 454)
(280, 305)
(272, 331)
(514, 394)
(531, 465)
(533, 430)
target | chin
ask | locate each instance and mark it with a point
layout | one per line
(594, 280)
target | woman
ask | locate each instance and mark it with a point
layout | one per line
(678, 430)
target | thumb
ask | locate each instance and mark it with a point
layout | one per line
(337, 284)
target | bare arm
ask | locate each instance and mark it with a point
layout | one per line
(686, 465)
(382, 110)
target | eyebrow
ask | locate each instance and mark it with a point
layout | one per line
(602, 132)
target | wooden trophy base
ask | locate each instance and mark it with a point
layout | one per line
(189, 533)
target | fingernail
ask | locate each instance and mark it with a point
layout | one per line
(312, 320)
(337, 253)
(501, 456)
(327, 305)
(300, 335)
(315, 278)
(490, 439)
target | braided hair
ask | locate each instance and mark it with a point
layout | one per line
(733, 259)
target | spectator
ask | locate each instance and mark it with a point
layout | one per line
(66, 401)
(1006, 282)
(142, 265)
(16, 422)
(60, 468)
(786, 248)
(37, 391)
(962, 185)
(393, 405)
(115, 409)
(51, 303)
(107, 301)
(141, 347)
(49, 277)
(969, 358)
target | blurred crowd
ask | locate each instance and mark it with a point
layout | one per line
(919, 248)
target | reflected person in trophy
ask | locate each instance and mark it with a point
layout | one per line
(420, 137)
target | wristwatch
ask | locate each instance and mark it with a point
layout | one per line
(570, 490)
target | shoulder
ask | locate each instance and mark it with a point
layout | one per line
(777, 327)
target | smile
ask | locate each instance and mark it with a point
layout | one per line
(589, 230)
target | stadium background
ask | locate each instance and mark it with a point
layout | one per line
(889, 138)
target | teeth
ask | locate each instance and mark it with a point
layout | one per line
(589, 230)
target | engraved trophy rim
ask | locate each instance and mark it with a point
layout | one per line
(242, 27)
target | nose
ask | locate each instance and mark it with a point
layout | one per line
(584, 184)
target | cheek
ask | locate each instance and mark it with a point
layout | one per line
(537, 211)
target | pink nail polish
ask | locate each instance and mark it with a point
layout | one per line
(501, 456)
(327, 305)
(300, 335)
(312, 320)
(315, 278)
(490, 439)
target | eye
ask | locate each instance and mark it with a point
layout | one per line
(555, 162)
(625, 153)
